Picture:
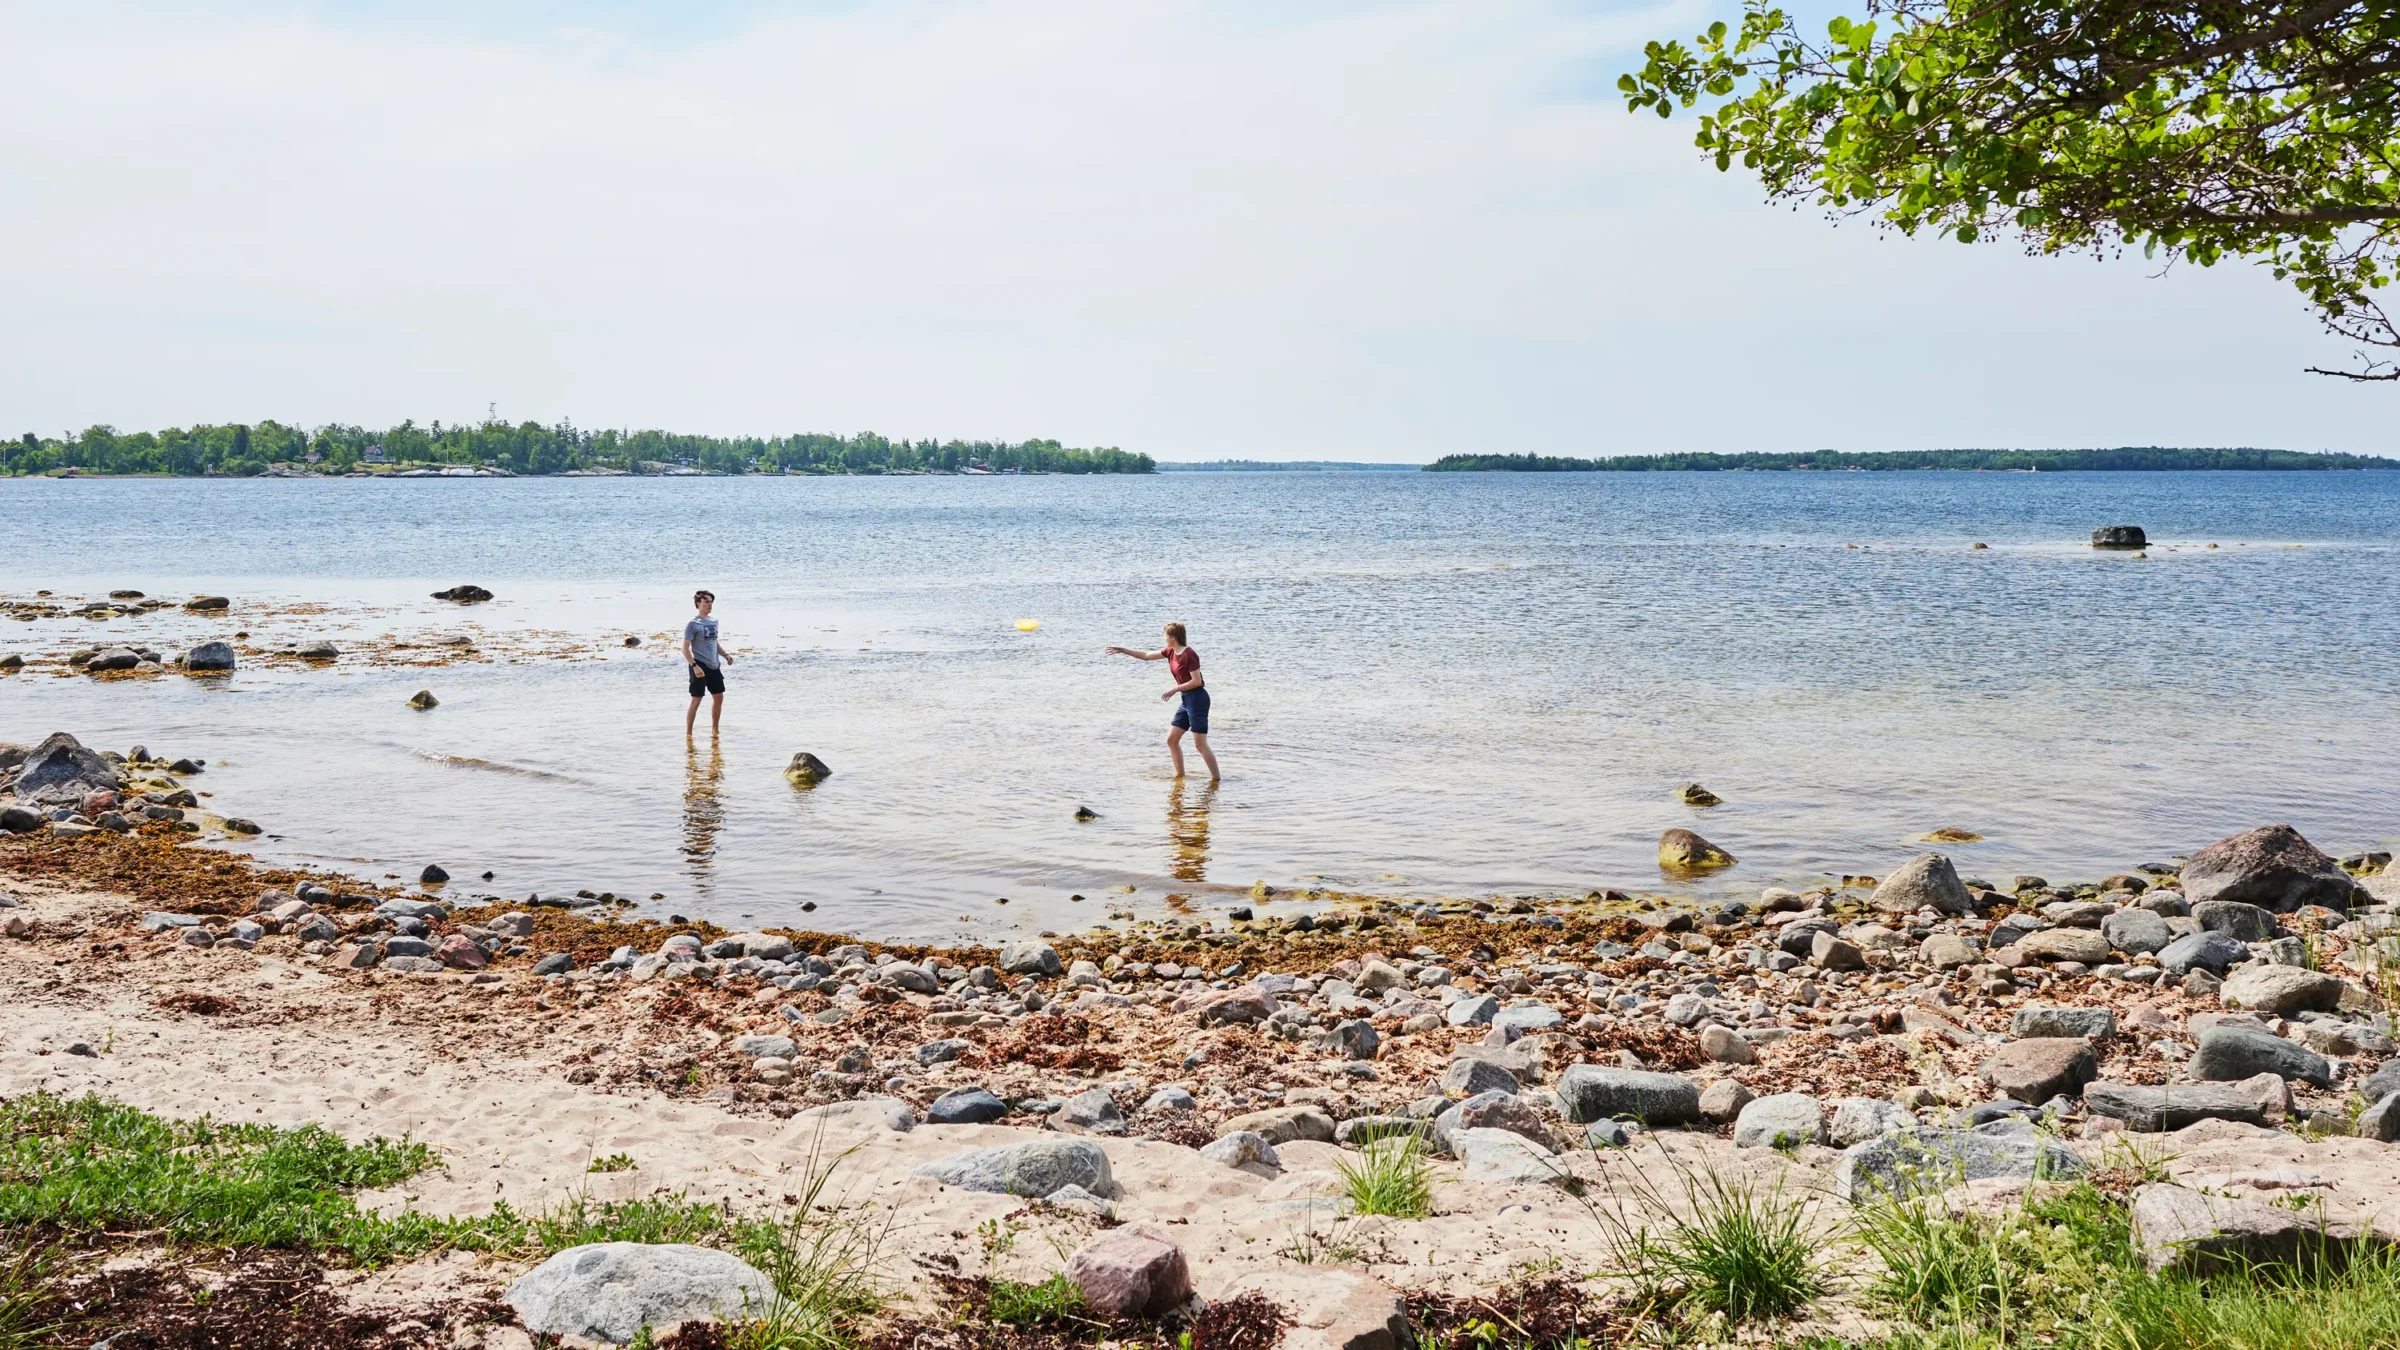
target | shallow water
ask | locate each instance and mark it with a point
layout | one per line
(1424, 683)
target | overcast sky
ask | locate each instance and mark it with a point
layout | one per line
(1282, 230)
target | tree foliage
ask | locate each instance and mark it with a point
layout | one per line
(2042, 461)
(2196, 130)
(532, 448)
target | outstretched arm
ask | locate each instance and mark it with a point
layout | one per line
(1138, 656)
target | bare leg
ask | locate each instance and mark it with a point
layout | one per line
(1207, 756)
(689, 715)
(716, 712)
(1175, 749)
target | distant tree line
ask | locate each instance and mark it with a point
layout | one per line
(2045, 461)
(530, 448)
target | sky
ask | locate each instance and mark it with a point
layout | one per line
(1349, 230)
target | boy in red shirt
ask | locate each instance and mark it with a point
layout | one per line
(1184, 665)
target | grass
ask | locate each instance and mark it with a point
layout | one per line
(1391, 1178)
(614, 1162)
(1730, 1251)
(1052, 1301)
(30, 1275)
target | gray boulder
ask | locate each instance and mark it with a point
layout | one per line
(2281, 990)
(1093, 1112)
(1589, 1092)
(210, 656)
(1489, 1111)
(610, 1291)
(966, 1106)
(2381, 1121)
(2235, 919)
(2037, 1070)
(1472, 1077)
(1506, 1158)
(2180, 1229)
(60, 772)
(1859, 1119)
(1784, 1120)
(2136, 931)
(2150, 1110)
(1240, 1148)
(1923, 1162)
(2036, 1022)
(2381, 1083)
(1925, 880)
(1522, 1021)
(1475, 1010)
(2273, 867)
(1034, 1168)
(1029, 958)
(2231, 1052)
(2212, 952)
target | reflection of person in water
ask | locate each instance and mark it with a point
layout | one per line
(1187, 829)
(703, 814)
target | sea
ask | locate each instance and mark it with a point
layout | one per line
(1424, 685)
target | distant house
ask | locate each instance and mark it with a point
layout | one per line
(374, 455)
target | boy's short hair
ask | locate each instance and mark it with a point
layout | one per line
(1175, 634)
(698, 596)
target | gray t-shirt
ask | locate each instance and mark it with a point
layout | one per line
(702, 634)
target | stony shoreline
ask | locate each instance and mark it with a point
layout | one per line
(1852, 1033)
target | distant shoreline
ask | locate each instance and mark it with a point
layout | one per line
(2124, 459)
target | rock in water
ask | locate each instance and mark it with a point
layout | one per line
(465, 595)
(1684, 851)
(1086, 813)
(209, 656)
(806, 770)
(2272, 867)
(204, 603)
(318, 651)
(1927, 880)
(1695, 795)
(2120, 536)
(611, 1291)
(433, 875)
(424, 699)
(60, 772)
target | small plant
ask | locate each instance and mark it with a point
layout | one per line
(1340, 1243)
(1729, 1251)
(997, 1239)
(1052, 1301)
(826, 1267)
(614, 1162)
(1391, 1178)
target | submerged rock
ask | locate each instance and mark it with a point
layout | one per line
(806, 770)
(210, 656)
(464, 595)
(1684, 851)
(2120, 536)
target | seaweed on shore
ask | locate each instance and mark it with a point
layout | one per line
(969, 1321)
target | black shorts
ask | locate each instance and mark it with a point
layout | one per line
(711, 683)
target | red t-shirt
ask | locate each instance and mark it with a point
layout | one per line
(1183, 664)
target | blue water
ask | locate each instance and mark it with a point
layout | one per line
(1424, 683)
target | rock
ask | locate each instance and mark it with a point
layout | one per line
(2281, 990)
(1723, 1100)
(2037, 1070)
(1330, 1308)
(766, 1047)
(1472, 1077)
(433, 875)
(1507, 1158)
(114, 658)
(1244, 1005)
(1607, 1134)
(874, 1113)
(1474, 1010)
(966, 1106)
(556, 963)
(459, 952)
(1029, 958)
(806, 770)
(1283, 1124)
(1695, 795)
(1376, 976)
(1828, 952)
(2036, 1021)
(1927, 880)
(15, 819)
(2151, 1110)
(1684, 851)
(1527, 1019)
(1241, 1148)
(1947, 951)
(2136, 931)
(612, 1291)
(1491, 1111)
(1859, 1119)
(318, 651)
(1092, 1112)
(2119, 536)
(1035, 1168)
(1589, 1092)
(2211, 952)
(2231, 1052)
(2381, 1083)
(1784, 1120)
(2180, 1229)
(1133, 1271)
(1926, 1162)
(2236, 919)
(210, 656)
(1726, 1046)
(60, 772)
(2273, 867)
(424, 698)
(2064, 944)
(912, 979)
(1354, 1040)
(2381, 1122)
(464, 595)
(202, 604)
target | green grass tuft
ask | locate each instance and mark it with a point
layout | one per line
(1052, 1301)
(1391, 1178)
(1729, 1250)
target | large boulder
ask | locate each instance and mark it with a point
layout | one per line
(2281, 990)
(1926, 1162)
(2120, 536)
(2177, 1228)
(610, 1291)
(1925, 881)
(60, 772)
(1784, 1120)
(2236, 919)
(1684, 851)
(2136, 931)
(1589, 1092)
(1507, 1158)
(209, 656)
(1283, 1124)
(1035, 1168)
(2037, 1070)
(1859, 1119)
(2036, 1020)
(2151, 1110)
(2212, 952)
(1134, 1271)
(2231, 1052)
(2272, 867)
(1029, 958)
(966, 1106)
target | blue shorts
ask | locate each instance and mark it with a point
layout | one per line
(1193, 715)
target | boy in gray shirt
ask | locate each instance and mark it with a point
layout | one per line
(704, 661)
